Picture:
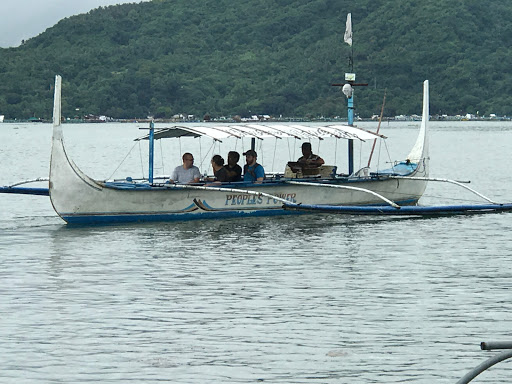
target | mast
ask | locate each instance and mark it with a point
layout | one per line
(348, 90)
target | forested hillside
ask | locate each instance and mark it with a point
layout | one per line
(277, 57)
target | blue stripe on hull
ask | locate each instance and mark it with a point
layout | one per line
(157, 217)
(185, 216)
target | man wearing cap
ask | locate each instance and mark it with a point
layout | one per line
(308, 158)
(253, 172)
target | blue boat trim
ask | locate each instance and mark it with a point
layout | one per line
(126, 185)
(404, 210)
(26, 191)
(401, 169)
(162, 217)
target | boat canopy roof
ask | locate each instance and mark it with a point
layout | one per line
(219, 131)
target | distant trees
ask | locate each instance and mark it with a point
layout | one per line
(245, 57)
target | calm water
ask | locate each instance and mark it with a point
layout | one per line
(310, 299)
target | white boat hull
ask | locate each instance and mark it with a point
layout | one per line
(79, 199)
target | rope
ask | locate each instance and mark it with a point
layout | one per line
(360, 154)
(380, 150)
(210, 150)
(274, 158)
(336, 152)
(201, 151)
(141, 162)
(389, 157)
(162, 156)
(122, 161)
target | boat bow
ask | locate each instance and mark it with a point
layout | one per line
(66, 179)
(419, 153)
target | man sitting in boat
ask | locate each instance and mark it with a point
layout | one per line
(308, 158)
(253, 172)
(308, 162)
(186, 173)
(232, 167)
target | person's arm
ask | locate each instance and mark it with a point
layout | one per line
(316, 162)
(197, 176)
(260, 174)
(174, 177)
(319, 161)
(238, 172)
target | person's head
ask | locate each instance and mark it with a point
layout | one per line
(250, 157)
(233, 157)
(188, 160)
(217, 161)
(306, 149)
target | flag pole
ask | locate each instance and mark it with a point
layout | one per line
(348, 90)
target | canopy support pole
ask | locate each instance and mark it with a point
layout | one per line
(351, 141)
(151, 150)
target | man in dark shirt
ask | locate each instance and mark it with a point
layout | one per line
(308, 159)
(233, 169)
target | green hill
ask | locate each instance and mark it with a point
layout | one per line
(278, 57)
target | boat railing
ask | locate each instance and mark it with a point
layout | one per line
(363, 172)
(489, 346)
(459, 183)
(36, 180)
(20, 188)
(364, 190)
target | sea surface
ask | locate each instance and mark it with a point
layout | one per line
(303, 299)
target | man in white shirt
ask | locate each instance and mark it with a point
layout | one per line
(187, 173)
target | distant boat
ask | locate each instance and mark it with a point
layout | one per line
(35, 120)
(2, 117)
(95, 119)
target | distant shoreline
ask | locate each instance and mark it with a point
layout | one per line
(401, 118)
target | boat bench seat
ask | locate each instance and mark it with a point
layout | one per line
(295, 171)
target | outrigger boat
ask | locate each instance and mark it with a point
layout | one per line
(78, 198)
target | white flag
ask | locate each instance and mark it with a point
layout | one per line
(348, 30)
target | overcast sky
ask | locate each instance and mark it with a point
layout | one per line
(23, 19)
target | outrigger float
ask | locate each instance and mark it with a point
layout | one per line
(80, 199)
